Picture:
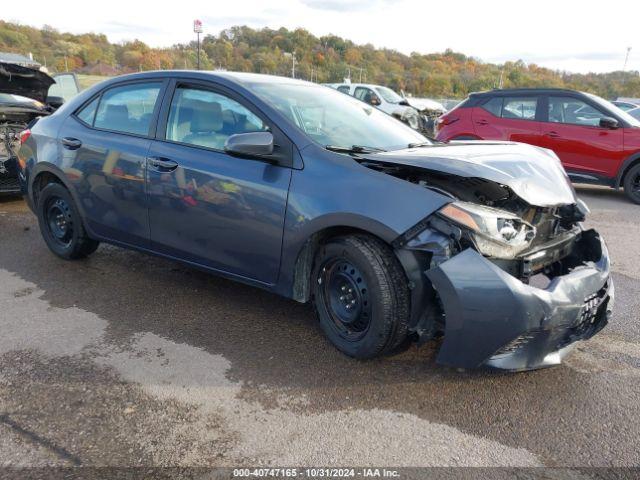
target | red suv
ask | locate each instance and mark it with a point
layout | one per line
(595, 140)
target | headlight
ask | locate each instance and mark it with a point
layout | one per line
(496, 233)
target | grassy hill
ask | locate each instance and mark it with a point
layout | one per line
(322, 59)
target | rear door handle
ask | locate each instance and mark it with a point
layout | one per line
(162, 164)
(71, 143)
(553, 134)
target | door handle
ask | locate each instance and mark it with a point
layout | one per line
(163, 164)
(482, 122)
(71, 143)
(553, 134)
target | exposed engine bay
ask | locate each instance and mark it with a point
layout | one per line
(545, 233)
(490, 231)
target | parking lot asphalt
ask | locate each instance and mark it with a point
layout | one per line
(126, 359)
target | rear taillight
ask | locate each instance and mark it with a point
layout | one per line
(24, 135)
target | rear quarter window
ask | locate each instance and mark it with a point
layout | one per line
(88, 112)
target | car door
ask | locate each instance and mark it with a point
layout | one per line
(66, 86)
(206, 206)
(103, 149)
(573, 132)
(509, 118)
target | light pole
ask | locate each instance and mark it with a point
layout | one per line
(626, 60)
(197, 28)
(293, 63)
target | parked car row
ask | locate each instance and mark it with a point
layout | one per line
(419, 114)
(312, 194)
(596, 141)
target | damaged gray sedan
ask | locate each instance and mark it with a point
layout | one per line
(311, 194)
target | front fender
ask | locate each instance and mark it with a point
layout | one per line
(334, 190)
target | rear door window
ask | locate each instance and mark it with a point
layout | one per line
(128, 109)
(519, 108)
(512, 108)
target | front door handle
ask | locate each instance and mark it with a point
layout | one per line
(163, 164)
(482, 122)
(553, 134)
(71, 143)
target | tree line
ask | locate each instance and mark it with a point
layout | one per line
(322, 59)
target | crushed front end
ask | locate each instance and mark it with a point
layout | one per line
(494, 318)
(506, 284)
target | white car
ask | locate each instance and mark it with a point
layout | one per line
(390, 102)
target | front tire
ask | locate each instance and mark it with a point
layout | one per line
(61, 225)
(632, 184)
(361, 296)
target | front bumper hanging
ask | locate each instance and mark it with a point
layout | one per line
(494, 319)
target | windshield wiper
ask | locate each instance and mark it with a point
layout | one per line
(430, 143)
(353, 149)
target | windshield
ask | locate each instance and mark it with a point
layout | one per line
(331, 118)
(617, 110)
(389, 95)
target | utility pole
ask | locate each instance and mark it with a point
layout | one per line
(626, 60)
(197, 28)
(293, 62)
(293, 65)
(624, 68)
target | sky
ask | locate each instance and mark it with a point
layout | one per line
(577, 36)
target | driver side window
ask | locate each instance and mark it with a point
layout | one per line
(364, 94)
(573, 111)
(205, 118)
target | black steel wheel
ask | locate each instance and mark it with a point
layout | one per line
(361, 295)
(59, 221)
(346, 296)
(632, 184)
(61, 225)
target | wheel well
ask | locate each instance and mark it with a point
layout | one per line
(42, 180)
(626, 170)
(304, 263)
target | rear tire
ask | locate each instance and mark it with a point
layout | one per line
(61, 225)
(361, 296)
(632, 184)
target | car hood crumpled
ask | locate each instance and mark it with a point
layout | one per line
(23, 81)
(534, 174)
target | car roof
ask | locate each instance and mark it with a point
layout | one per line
(524, 91)
(353, 84)
(240, 78)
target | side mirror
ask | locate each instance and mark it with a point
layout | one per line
(55, 102)
(610, 123)
(254, 144)
(404, 102)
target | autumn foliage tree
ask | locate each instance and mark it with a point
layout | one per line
(324, 59)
